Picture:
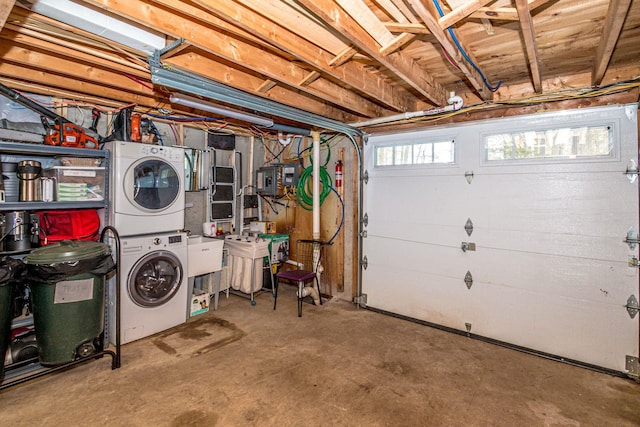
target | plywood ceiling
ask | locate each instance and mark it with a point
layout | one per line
(344, 59)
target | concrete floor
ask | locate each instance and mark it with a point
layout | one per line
(335, 366)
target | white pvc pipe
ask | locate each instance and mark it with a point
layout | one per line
(316, 184)
(455, 103)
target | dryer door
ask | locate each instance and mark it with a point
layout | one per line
(152, 185)
(155, 279)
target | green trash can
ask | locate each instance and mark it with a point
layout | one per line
(10, 276)
(67, 282)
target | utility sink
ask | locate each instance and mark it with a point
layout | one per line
(247, 246)
(204, 255)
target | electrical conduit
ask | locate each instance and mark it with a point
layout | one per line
(455, 103)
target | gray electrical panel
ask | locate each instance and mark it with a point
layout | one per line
(267, 180)
(290, 174)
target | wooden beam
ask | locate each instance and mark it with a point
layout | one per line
(461, 12)
(244, 54)
(78, 51)
(529, 36)
(277, 24)
(505, 13)
(343, 57)
(613, 23)
(364, 16)
(310, 78)
(266, 86)
(5, 10)
(397, 43)
(247, 81)
(407, 27)
(403, 67)
(471, 74)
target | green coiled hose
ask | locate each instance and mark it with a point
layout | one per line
(305, 194)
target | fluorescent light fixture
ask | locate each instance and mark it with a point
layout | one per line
(189, 101)
(99, 23)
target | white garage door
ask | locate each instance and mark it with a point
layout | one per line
(511, 229)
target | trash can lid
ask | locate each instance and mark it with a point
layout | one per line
(65, 251)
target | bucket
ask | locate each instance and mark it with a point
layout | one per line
(10, 181)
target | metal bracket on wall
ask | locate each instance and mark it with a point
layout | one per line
(365, 262)
(632, 261)
(632, 306)
(468, 176)
(365, 177)
(632, 171)
(632, 365)
(365, 220)
(363, 233)
(632, 238)
(467, 246)
(468, 280)
(361, 300)
(468, 227)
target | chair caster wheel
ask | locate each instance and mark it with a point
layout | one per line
(253, 303)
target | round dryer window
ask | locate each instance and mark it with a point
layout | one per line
(155, 279)
(152, 184)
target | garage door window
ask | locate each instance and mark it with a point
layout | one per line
(565, 143)
(425, 153)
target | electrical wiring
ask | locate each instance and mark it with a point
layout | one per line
(464, 54)
(555, 96)
(341, 218)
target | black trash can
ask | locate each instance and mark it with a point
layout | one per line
(11, 271)
(67, 282)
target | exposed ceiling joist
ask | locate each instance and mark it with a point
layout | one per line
(461, 12)
(5, 10)
(401, 66)
(471, 74)
(235, 50)
(246, 17)
(613, 23)
(529, 36)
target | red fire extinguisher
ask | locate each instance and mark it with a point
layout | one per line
(339, 174)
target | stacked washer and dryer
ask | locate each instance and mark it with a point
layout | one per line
(147, 209)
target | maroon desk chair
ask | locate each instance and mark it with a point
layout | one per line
(308, 258)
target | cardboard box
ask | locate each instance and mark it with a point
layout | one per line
(266, 227)
(200, 303)
(278, 247)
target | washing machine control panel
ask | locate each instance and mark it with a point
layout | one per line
(175, 239)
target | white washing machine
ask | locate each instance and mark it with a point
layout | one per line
(147, 188)
(153, 286)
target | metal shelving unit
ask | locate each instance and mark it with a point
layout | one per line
(20, 372)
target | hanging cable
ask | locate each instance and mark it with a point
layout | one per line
(464, 54)
(305, 197)
(341, 218)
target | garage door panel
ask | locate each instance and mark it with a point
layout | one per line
(574, 204)
(550, 267)
(602, 282)
(600, 334)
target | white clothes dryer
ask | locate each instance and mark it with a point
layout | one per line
(147, 188)
(153, 286)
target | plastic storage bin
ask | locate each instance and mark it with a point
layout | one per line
(67, 283)
(77, 183)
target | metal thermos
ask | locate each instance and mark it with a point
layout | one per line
(29, 173)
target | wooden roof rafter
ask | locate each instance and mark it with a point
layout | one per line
(529, 36)
(245, 15)
(245, 54)
(613, 24)
(472, 75)
(403, 67)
